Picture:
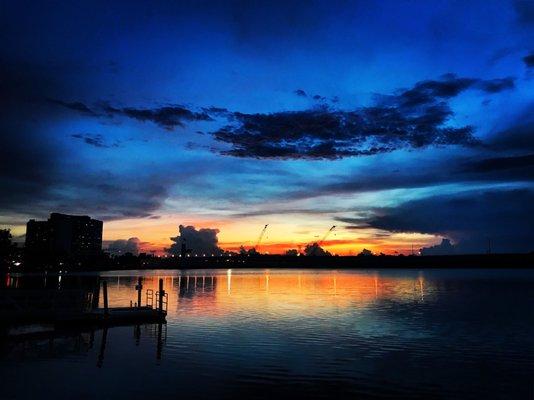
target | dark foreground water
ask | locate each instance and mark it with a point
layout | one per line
(296, 334)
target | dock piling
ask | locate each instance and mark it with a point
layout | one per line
(139, 288)
(161, 295)
(105, 293)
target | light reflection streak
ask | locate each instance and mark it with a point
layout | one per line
(421, 289)
(207, 292)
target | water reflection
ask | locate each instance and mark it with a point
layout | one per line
(269, 333)
(51, 344)
(226, 289)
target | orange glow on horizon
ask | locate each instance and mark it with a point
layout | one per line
(155, 235)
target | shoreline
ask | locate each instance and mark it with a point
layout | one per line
(475, 261)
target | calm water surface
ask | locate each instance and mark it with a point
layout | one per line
(300, 334)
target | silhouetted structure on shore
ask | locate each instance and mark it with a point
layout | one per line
(64, 235)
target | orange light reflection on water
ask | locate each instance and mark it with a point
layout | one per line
(194, 294)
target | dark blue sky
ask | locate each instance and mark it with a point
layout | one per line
(401, 122)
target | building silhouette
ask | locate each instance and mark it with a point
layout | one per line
(64, 235)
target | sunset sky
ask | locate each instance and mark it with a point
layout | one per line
(400, 122)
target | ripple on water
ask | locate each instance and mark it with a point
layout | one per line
(313, 334)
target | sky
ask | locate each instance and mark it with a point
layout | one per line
(400, 122)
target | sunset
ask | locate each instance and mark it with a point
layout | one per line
(272, 114)
(267, 199)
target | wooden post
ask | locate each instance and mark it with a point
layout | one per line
(96, 293)
(139, 288)
(159, 345)
(105, 292)
(161, 294)
(102, 351)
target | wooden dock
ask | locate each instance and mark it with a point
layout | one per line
(76, 308)
(116, 315)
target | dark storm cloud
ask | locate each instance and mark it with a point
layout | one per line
(529, 60)
(505, 217)
(301, 93)
(411, 118)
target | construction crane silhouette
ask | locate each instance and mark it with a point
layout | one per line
(323, 239)
(327, 234)
(262, 234)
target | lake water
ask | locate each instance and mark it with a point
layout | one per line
(296, 334)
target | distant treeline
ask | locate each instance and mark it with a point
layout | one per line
(128, 261)
(15, 259)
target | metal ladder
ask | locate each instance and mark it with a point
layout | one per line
(150, 298)
(164, 301)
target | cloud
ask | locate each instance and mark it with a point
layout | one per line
(425, 173)
(517, 137)
(282, 211)
(102, 194)
(449, 86)
(39, 172)
(411, 118)
(75, 106)
(505, 157)
(503, 216)
(167, 117)
(94, 140)
(529, 60)
(497, 85)
(215, 110)
(502, 163)
(327, 134)
(201, 241)
(428, 91)
(119, 196)
(28, 159)
(313, 249)
(122, 246)
(444, 248)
